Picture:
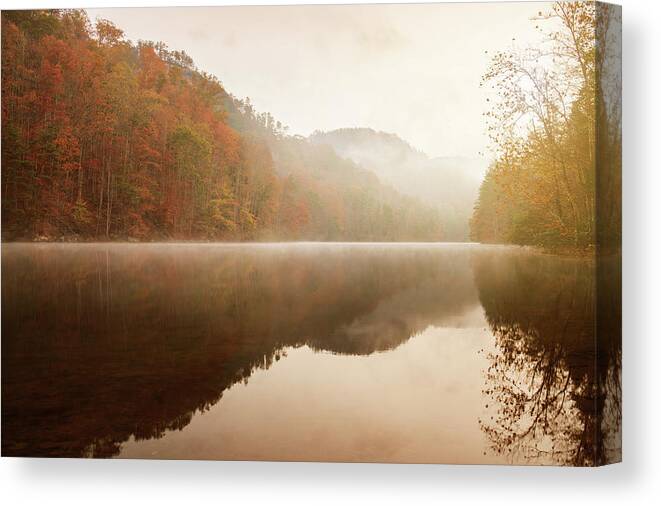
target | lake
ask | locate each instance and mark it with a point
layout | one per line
(448, 353)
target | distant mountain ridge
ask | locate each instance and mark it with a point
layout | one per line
(450, 184)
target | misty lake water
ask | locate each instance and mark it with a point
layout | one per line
(449, 353)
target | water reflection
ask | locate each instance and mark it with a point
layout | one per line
(554, 379)
(417, 403)
(114, 349)
(104, 342)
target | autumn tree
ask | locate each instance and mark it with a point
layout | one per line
(548, 137)
(106, 139)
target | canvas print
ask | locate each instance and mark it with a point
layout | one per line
(342, 233)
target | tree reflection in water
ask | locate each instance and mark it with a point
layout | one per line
(554, 379)
(104, 342)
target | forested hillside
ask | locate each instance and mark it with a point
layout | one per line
(556, 130)
(106, 139)
(450, 185)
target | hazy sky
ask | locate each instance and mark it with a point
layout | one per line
(409, 69)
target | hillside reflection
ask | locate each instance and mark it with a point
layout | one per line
(104, 342)
(553, 383)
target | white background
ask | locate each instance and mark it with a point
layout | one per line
(636, 481)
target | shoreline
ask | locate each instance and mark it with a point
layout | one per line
(584, 253)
